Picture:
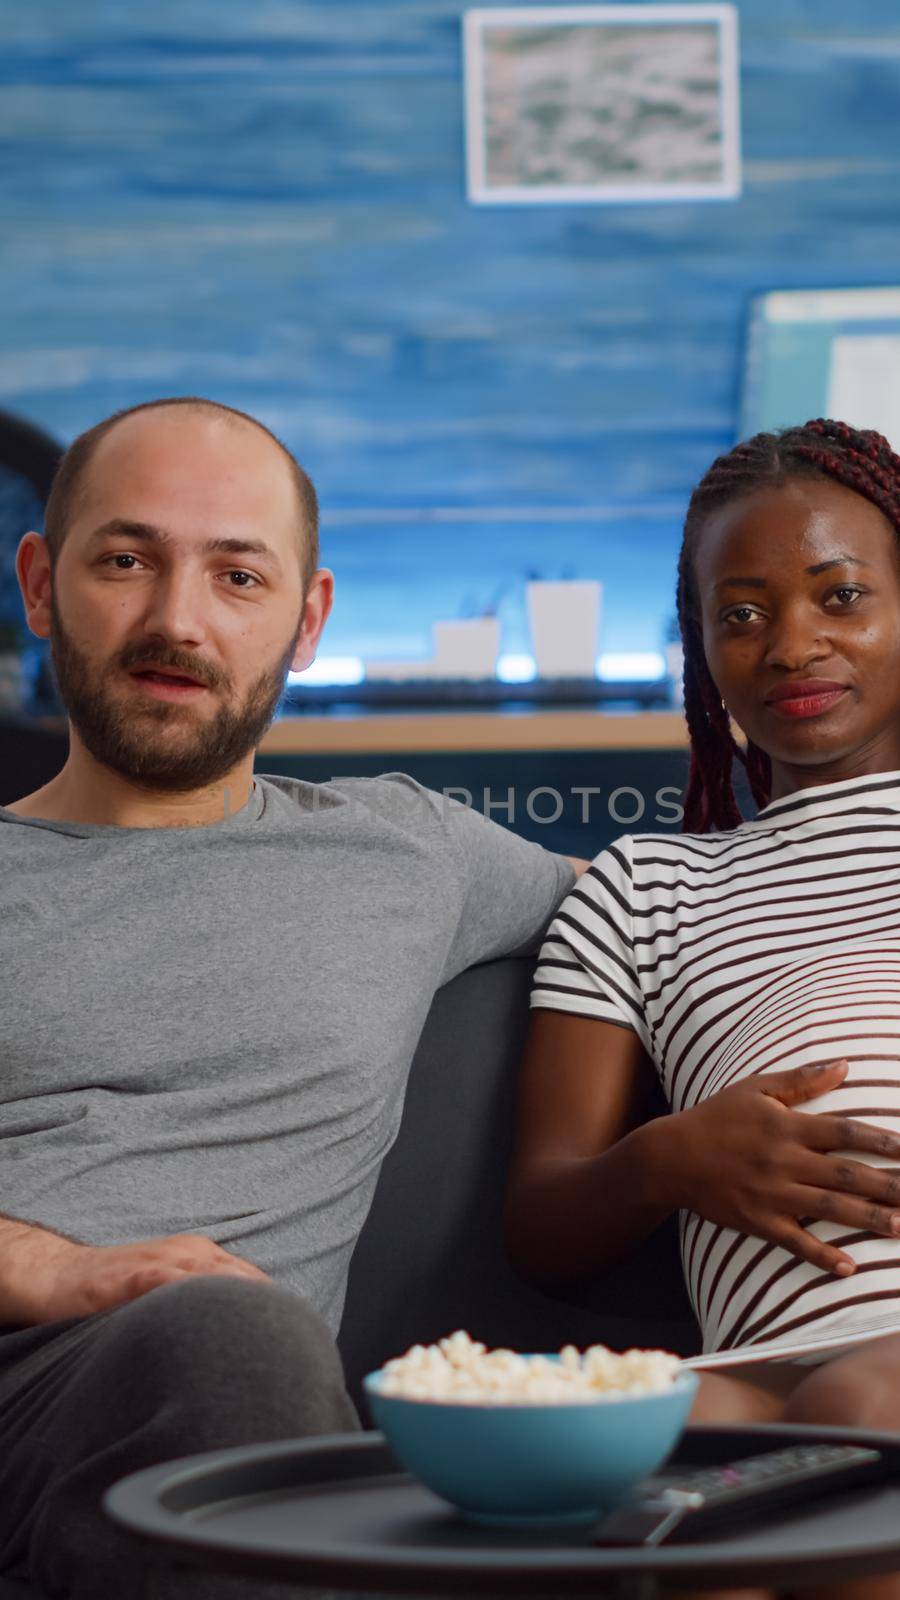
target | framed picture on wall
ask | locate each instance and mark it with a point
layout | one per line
(602, 103)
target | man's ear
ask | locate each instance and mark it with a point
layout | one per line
(316, 610)
(33, 573)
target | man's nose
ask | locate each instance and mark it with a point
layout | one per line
(176, 605)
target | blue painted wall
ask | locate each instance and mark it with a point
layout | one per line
(266, 203)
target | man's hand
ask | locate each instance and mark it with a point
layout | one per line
(77, 1280)
(745, 1160)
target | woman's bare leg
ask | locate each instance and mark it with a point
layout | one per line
(756, 1392)
(858, 1390)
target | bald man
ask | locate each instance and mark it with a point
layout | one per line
(213, 986)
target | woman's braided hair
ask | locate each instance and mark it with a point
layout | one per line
(859, 459)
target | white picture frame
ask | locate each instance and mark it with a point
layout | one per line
(601, 103)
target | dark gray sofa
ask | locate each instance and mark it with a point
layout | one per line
(430, 1257)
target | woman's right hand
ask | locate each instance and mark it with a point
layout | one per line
(745, 1159)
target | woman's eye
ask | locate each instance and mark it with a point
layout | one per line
(848, 594)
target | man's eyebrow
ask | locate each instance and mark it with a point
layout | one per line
(820, 566)
(121, 527)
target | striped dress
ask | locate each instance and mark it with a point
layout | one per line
(753, 951)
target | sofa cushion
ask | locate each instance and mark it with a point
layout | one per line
(430, 1257)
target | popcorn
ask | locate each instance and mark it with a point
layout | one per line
(459, 1368)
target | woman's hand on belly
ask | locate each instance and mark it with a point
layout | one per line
(745, 1160)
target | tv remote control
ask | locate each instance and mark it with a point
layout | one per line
(711, 1499)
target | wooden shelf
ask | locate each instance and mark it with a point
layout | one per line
(458, 730)
(399, 732)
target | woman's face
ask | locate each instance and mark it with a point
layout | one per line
(800, 583)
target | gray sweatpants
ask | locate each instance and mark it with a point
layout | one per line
(205, 1363)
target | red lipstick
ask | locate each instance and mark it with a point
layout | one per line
(805, 697)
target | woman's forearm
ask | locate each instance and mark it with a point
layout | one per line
(575, 1218)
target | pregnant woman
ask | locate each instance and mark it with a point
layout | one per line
(753, 966)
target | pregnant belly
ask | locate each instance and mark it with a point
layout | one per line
(748, 1291)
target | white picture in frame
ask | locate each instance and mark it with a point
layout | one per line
(602, 103)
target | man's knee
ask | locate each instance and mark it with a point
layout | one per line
(211, 1346)
(219, 1313)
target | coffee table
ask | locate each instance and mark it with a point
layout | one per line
(338, 1512)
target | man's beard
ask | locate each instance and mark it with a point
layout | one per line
(160, 744)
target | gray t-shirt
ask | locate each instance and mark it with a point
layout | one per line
(208, 1029)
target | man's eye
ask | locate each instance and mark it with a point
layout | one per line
(234, 572)
(849, 588)
(739, 614)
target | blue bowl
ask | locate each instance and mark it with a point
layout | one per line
(536, 1460)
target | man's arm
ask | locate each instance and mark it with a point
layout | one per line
(579, 865)
(24, 1248)
(511, 886)
(46, 1276)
